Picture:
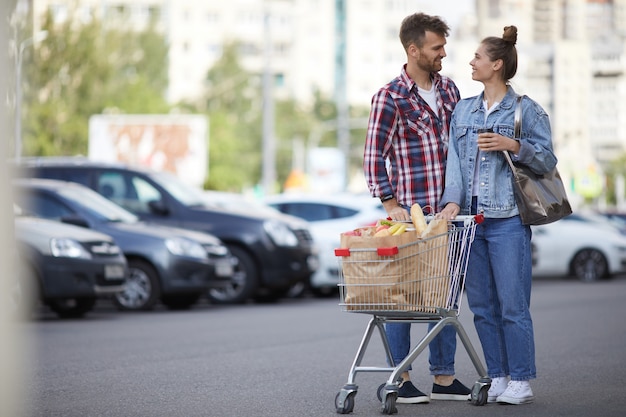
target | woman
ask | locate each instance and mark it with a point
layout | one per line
(478, 180)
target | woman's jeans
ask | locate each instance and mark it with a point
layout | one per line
(442, 348)
(498, 285)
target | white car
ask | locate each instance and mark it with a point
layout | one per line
(329, 216)
(582, 246)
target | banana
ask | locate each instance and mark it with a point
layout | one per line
(394, 228)
(400, 230)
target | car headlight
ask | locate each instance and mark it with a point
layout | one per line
(280, 233)
(185, 247)
(216, 250)
(68, 248)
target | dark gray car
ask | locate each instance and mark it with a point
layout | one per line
(65, 267)
(175, 266)
(275, 252)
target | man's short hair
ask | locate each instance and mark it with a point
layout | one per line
(414, 27)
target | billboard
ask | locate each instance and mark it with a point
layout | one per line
(174, 143)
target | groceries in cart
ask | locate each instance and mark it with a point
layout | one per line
(416, 276)
(395, 266)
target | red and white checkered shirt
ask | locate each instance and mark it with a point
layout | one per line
(407, 142)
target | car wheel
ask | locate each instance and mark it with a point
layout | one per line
(244, 283)
(299, 290)
(180, 302)
(590, 265)
(325, 292)
(142, 289)
(72, 308)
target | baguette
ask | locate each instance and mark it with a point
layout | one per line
(418, 219)
(434, 227)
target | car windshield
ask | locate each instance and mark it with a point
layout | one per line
(98, 205)
(184, 193)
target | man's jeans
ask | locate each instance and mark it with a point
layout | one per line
(498, 285)
(442, 348)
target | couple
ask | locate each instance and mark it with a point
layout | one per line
(423, 147)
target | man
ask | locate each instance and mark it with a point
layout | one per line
(404, 163)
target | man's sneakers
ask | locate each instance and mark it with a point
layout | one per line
(517, 392)
(408, 394)
(453, 392)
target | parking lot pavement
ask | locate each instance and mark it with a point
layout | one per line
(291, 358)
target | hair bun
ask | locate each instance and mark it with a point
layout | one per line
(510, 34)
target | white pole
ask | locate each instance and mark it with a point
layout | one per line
(39, 36)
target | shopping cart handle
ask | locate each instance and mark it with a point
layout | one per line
(466, 218)
(342, 252)
(387, 251)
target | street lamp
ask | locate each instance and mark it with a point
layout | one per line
(38, 37)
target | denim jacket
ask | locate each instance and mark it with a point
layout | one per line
(495, 190)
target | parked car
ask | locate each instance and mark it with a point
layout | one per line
(236, 201)
(616, 217)
(578, 246)
(175, 266)
(273, 253)
(329, 216)
(65, 267)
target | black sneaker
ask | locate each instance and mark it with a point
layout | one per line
(455, 392)
(408, 394)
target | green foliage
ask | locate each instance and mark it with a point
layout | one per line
(89, 68)
(615, 169)
(84, 69)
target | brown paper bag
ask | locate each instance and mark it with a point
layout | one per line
(431, 284)
(374, 282)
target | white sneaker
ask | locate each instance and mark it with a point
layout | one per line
(498, 386)
(517, 392)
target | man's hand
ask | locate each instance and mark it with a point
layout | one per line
(395, 211)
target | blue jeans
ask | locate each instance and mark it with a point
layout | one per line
(498, 286)
(442, 348)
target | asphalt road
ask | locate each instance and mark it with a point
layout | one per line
(291, 359)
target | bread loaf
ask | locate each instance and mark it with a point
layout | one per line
(435, 227)
(418, 219)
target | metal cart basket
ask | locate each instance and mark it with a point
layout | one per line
(417, 282)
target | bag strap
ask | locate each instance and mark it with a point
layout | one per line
(517, 131)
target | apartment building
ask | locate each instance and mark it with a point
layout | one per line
(571, 53)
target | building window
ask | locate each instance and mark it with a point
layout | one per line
(59, 13)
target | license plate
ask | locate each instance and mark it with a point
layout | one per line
(224, 268)
(113, 271)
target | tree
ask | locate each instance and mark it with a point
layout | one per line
(232, 102)
(617, 168)
(80, 70)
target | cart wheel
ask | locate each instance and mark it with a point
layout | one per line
(348, 403)
(480, 393)
(389, 405)
(379, 392)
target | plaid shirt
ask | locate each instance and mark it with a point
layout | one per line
(407, 143)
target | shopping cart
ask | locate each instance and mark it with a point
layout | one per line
(417, 282)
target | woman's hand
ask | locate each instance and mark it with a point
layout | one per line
(449, 212)
(491, 141)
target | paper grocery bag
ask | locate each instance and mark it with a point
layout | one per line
(373, 282)
(432, 274)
